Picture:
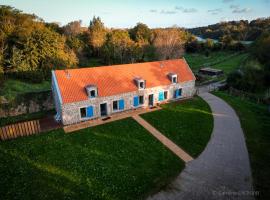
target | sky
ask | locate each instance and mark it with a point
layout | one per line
(154, 13)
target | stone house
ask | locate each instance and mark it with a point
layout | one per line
(89, 93)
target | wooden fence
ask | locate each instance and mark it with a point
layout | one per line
(20, 129)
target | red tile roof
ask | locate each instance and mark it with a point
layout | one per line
(117, 79)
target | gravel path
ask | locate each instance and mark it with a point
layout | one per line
(222, 171)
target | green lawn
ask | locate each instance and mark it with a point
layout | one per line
(231, 64)
(12, 88)
(225, 60)
(188, 123)
(118, 160)
(255, 121)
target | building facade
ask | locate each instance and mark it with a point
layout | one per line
(90, 93)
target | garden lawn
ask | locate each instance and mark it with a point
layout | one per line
(118, 160)
(187, 123)
(12, 88)
(255, 121)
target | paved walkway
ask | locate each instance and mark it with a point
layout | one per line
(114, 117)
(222, 171)
(164, 140)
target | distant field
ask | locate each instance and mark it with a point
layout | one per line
(12, 88)
(225, 60)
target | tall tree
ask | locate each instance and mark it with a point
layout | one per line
(73, 28)
(97, 34)
(140, 33)
(168, 43)
(119, 48)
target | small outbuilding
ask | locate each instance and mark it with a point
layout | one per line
(211, 71)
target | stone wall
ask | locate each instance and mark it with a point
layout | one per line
(27, 103)
(71, 111)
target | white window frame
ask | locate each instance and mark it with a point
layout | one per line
(118, 110)
(174, 77)
(139, 85)
(86, 118)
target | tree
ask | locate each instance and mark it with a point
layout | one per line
(73, 28)
(97, 34)
(168, 43)
(140, 33)
(119, 48)
(209, 44)
(28, 44)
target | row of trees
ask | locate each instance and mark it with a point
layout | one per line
(234, 30)
(27, 43)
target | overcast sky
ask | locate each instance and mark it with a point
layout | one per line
(154, 13)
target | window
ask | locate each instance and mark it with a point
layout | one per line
(141, 99)
(87, 112)
(83, 112)
(141, 85)
(174, 79)
(92, 93)
(115, 105)
(165, 94)
(118, 105)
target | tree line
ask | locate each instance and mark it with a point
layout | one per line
(242, 30)
(29, 45)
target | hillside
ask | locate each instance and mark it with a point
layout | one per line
(236, 30)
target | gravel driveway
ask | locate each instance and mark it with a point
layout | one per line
(222, 171)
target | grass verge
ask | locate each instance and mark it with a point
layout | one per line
(255, 121)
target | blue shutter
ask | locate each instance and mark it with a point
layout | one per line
(176, 93)
(161, 96)
(121, 104)
(89, 111)
(135, 101)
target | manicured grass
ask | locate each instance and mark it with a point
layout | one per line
(255, 121)
(118, 160)
(225, 60)
(188, 123)
(12, 88)
(25, 117)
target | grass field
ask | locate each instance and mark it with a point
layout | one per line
(225, 60)
(255, 121)
(118, 160)
(12, 88)
(188, 123)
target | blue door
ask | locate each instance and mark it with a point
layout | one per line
(161, 96)
(121, 104)
(180, 92)
(90, 111)
(135, 101)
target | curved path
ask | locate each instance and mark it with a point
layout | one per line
(222, 171)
